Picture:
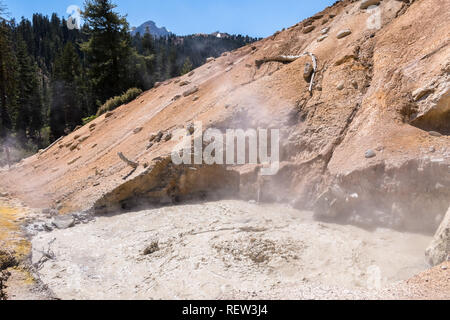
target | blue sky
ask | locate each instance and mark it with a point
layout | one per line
(259, 18)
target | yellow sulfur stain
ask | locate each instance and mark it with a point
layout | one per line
(11, 236)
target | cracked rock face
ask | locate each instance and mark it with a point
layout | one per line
(439, 250)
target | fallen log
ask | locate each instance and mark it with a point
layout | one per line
(50, 146)
(289, 59)
(127, 161)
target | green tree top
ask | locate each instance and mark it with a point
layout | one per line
(108, 48)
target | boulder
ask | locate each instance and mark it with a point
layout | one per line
(63, 222)
(439, 249)
(367, 3)
(308, 29)
(344, 33)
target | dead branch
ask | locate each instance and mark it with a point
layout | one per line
(46, 255)
(127, 161)
(289, 59)
(282, 59)
(50, 146)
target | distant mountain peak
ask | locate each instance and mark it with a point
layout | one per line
(152, 28)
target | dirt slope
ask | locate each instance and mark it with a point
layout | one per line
(376, 89)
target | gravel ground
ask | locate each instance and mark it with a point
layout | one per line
(226, 250)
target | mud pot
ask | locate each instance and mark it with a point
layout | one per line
(225, 250)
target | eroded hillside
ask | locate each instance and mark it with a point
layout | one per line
(379, 91)
(369, 145)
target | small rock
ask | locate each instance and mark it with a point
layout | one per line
(340, 86)
(137, 130)
(184, 83)
(152, 248)
(325, 30)
(149, 145)
(209, 59)
(178, 96)
(370, 154)
(321, 38)
(190, 74)
(308, 29)
(168, 137)
(224, 54)
(444, 268)
(435, 134)
(159, 136)
(343, 33)
(432, 149)
(195, 98)
(190, 91)
(191, 129)
(63, 222)
(228, 69)
(367, 3)
(108, 114)
(308, 71)
(355, 84)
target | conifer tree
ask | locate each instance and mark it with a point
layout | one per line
(108, 49)
(65, 110)
(8, 81)
(187, 66)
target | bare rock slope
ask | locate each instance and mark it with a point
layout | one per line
(369, 145)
